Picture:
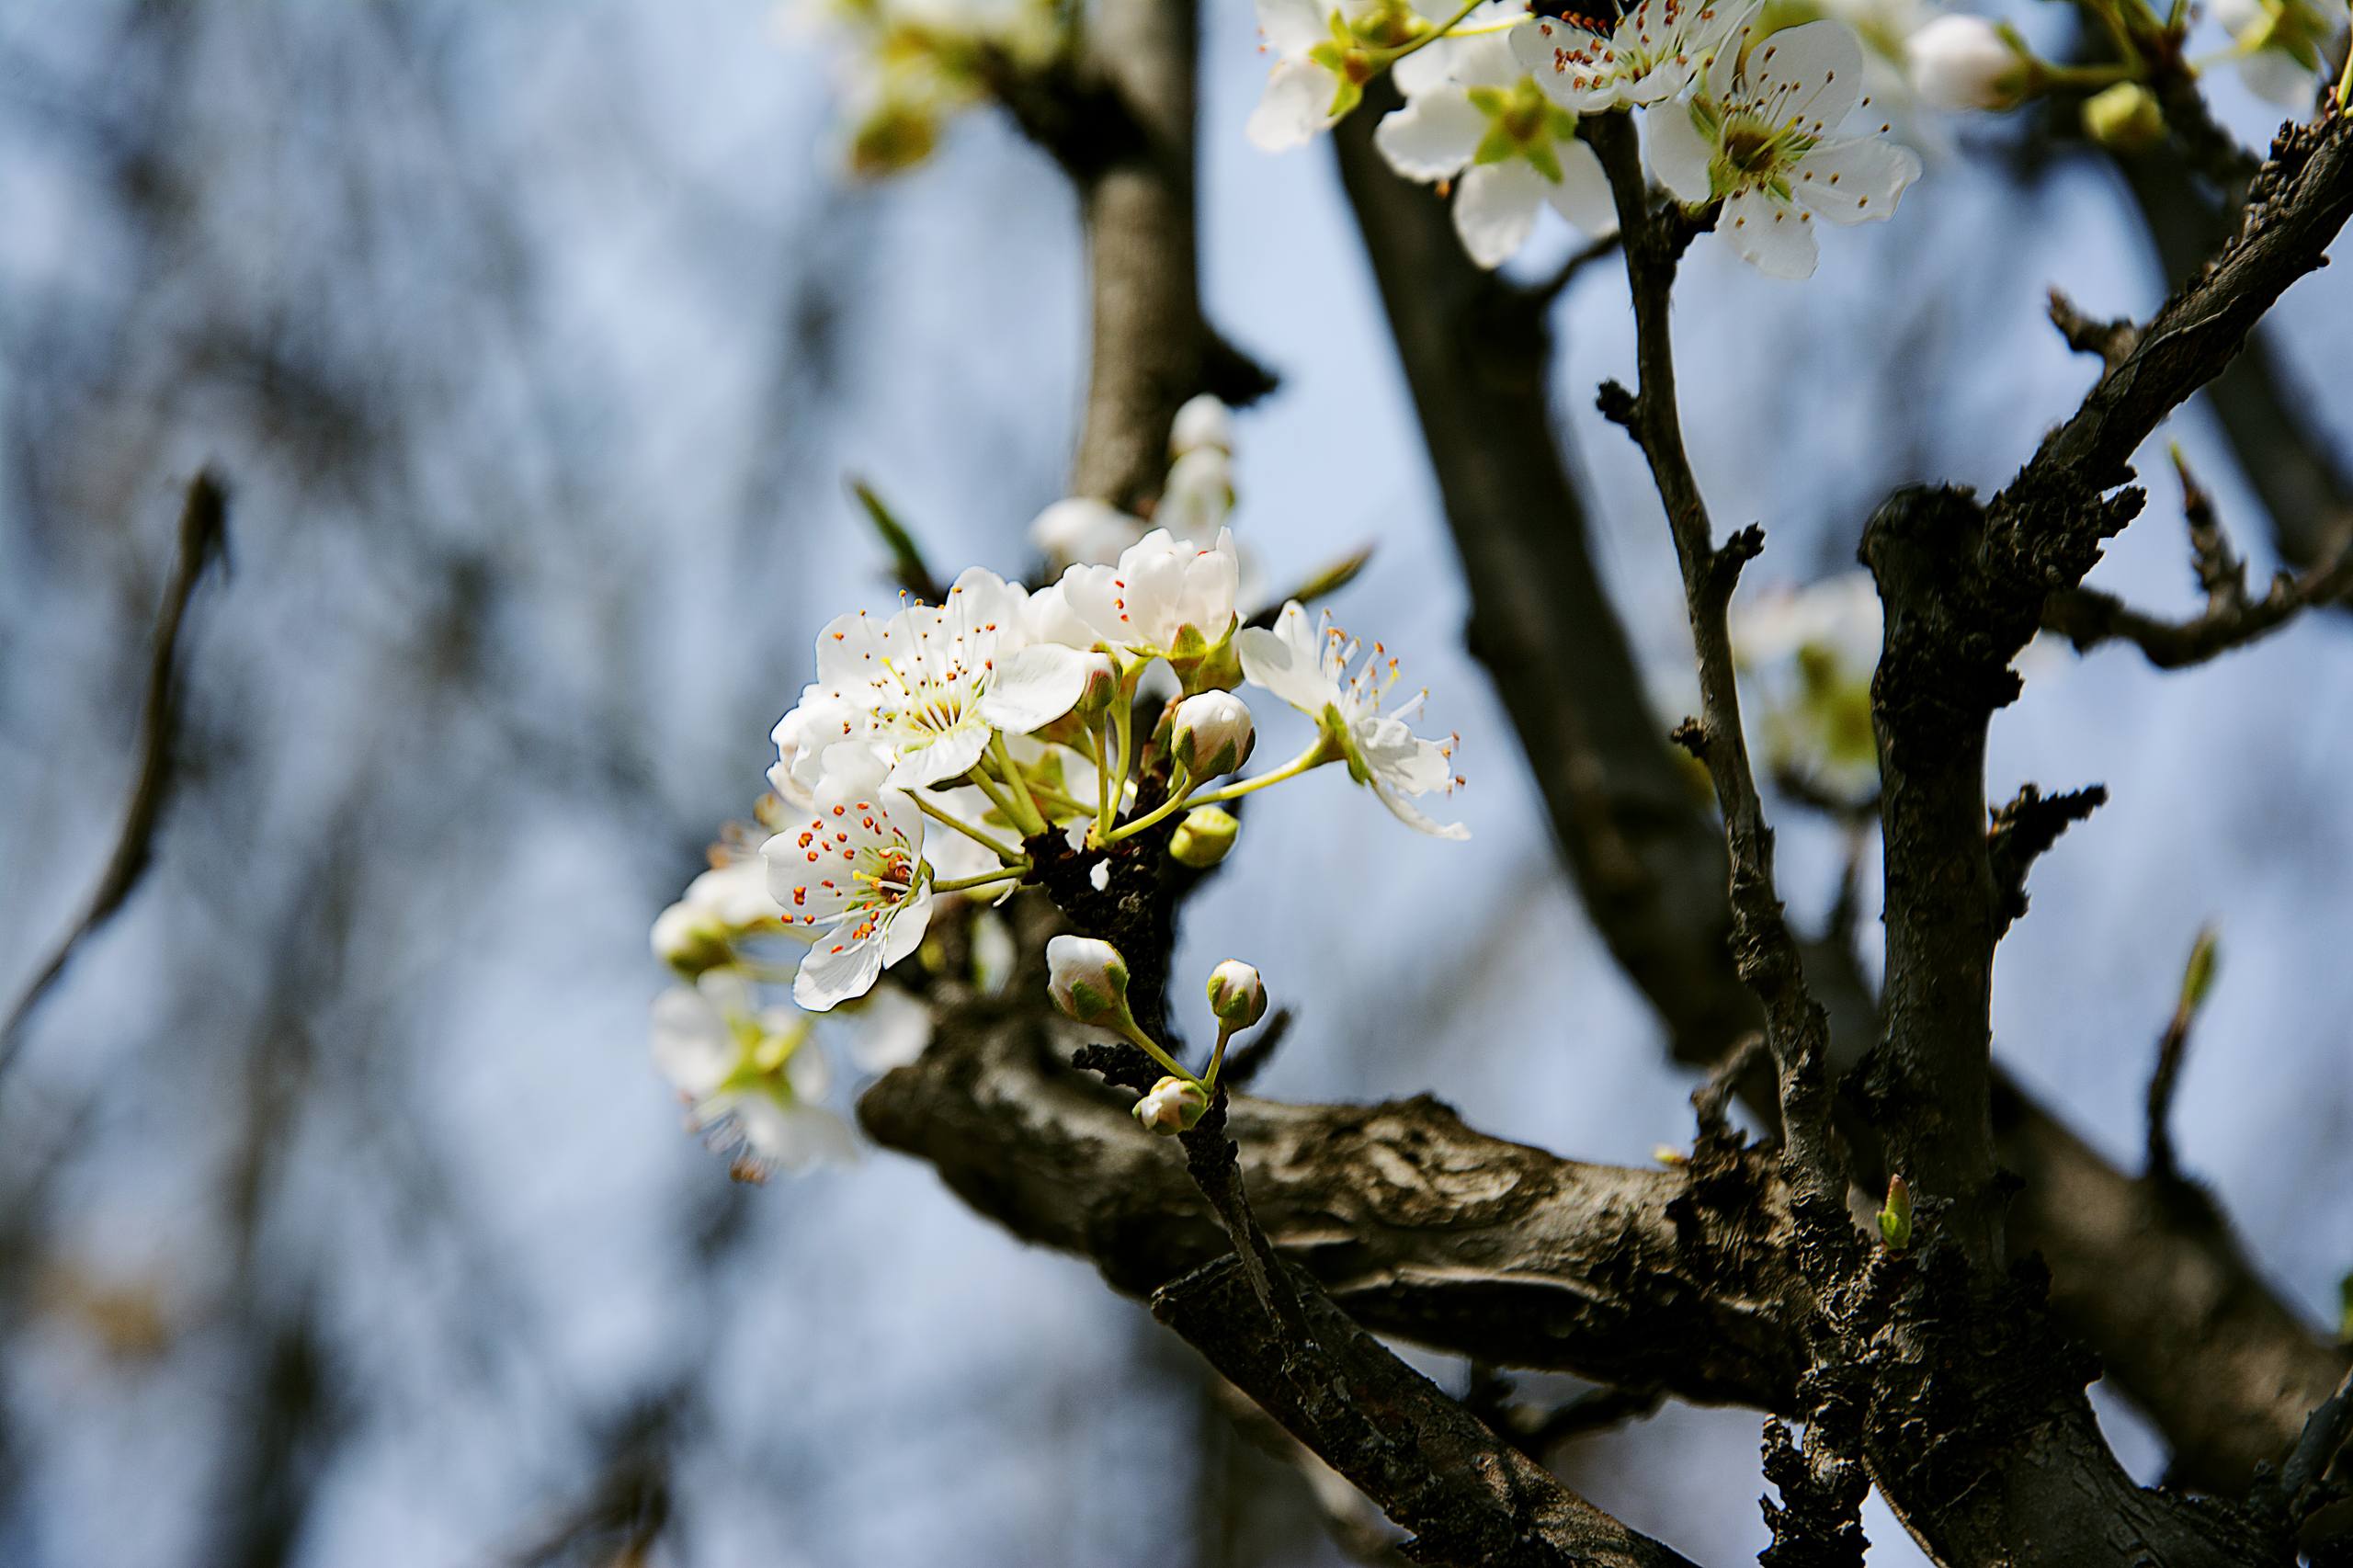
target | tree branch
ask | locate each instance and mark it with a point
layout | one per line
(202, 537)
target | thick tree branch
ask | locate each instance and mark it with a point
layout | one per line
(1470, 1497)
(202, 537)
(1415, 1224)
(2131, 1279)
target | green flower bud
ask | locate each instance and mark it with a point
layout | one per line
(1175, 1105)
(2124, 118)
(1088, 980)
(1202, 839)
(1213, 733)
(1237, 995)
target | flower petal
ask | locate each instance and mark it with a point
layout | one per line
(892, 1030)
(1406, 812)
(1811, 74)
(1284, 662)
(691, 1046)
(1582, 193)
(1495, 208)
(1034, 688)
(1680, 154)
(903, 934)
(948, 756)
(837, 970)
(1858, 180)
(1775, 238)
(1433, 136)
(1296, 105)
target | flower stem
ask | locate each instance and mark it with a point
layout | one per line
(1004, 851)
(1217, 1057)
(1313, 757)
(1431, 37)
(960, 884)
(2345, 85)
(1102, 784)
(1144, 1043)
(998, 798)
(1036, 821)
(1177, 798)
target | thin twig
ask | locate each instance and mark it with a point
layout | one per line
(2087, 617)
(202, 535)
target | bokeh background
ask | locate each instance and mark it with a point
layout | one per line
(342, 1218)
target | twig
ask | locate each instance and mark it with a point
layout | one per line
(202, 535)
(1714, 1097)
(2087, 617)
(2173, 1048)
(2113, 341)
(1569, 271)
(2021, 832)
(1795, 1026)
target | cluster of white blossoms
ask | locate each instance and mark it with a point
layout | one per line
(939, 746)
(1741, 120)
(1194, 502)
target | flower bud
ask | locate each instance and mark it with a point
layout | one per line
(1203, 420)
(2124, 118)
(1175, 1105)
(1102, 683)
(2197, 975)
(1959, 62)
(1895, 1219)
(1087, 979)
(690, 938)
(1237, 995)
(1202, 839)
(1213, 733)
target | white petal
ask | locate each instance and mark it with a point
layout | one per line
(1495, 208)
(1543, 49)
(691, 1046)
(1811, 73)
(2275, 76)
(1084, 529)
(837, 968)
(1855, 181)
(1680, 154)
(1292, 26)
(794, 1137)
(892, 1030)
(1283, 661)
(1034, 688)
(1777, 240)
(949, 756)
(1296, 105)
(1399, 757)
(1406, 812)
(1432, 137)
(1582, 193)
(905, 933)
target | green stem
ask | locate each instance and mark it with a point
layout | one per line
(1144, 1043)
(1181, 795)
(998, 798)
(1313, 757)
(1005, 852)
(2345, 83)
(959, 884)
(1427, 39)
(1217, 1057)
(1102, 784)
(1036, 821)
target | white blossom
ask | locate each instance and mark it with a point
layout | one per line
(1758, 137)
(720, 907)
(1308, 667)
(1470, 105)
(1810, 653)
(892, 1028)
(1653, 52)
(930, 684)
(1324, 52)
(1163, 598)
(851, 880)
(1198, 497)
(1964, 62)
(2282, 45)
(1202, 421)
(753, 1078)
(1083, 531)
